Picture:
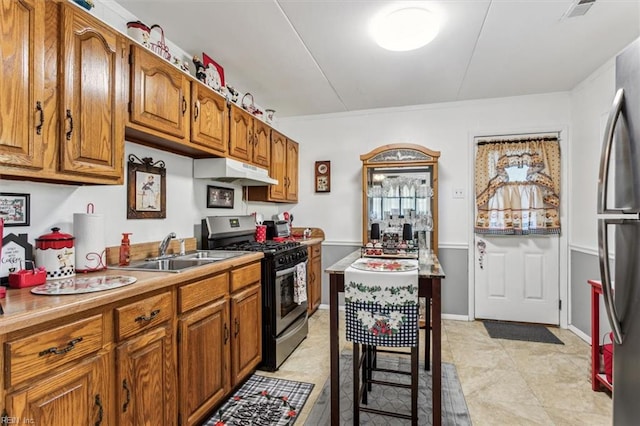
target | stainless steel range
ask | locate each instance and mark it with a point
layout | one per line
(284, 320)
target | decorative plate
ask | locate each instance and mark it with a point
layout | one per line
(385, 265)
(79, 285)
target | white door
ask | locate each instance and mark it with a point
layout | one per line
(517, 278)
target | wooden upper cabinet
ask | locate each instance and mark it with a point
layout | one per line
(22, 85)
(159, 94)
(91, 100)
(291, 185)
(241, 134)
(278, 165)
(262, 144)
(209, 119)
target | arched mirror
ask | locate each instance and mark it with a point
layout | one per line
(399, 187)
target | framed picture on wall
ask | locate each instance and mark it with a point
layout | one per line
(323, 176)
(219, 198)
(146, 189)
(14, 209)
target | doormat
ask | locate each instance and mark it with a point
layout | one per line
(263, 401)
(525, 332)
(454, 406)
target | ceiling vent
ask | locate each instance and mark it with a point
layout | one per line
(579, 8)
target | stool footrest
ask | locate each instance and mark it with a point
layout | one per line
(386, 413)
(387, 383)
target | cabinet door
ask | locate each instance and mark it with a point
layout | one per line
(210, 119)
(292, 171)
(314, 278)
(240, 134)
(262, 144)
(79, 396)
(278, 165)
(91, 96)
(146, 393)
(246, 333)
(203, 362)
(159, 97)
(22, 84)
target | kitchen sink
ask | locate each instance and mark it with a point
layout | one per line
(178, 263)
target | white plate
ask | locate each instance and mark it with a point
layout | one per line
(79, 285)
(385, 265)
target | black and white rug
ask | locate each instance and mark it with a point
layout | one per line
(524, 332)
(454, 406)
(263, 401)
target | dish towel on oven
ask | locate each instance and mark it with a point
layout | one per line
(300, 283)
(381, 306)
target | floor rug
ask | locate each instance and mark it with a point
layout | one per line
(525, 332)
(263, 401)
(454, 406)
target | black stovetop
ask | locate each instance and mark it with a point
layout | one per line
(265, 247)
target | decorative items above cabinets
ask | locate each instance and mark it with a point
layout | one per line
(146, 189)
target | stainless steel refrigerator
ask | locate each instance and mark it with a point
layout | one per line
(619, 224)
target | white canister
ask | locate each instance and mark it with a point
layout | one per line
(55, 251)
(88, 229)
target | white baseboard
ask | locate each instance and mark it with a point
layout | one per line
(580, 333)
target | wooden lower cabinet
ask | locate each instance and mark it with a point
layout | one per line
(77, 396)
(146, 379)
(314, 278)
(246, 335)
(203, 360)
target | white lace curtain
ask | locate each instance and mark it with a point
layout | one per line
(528, 207)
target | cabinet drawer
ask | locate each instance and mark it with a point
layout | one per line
(40, 353)
(315, 250)
(144, 314)
(202, 292)
(245, 276)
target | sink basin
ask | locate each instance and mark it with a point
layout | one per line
(181, 262)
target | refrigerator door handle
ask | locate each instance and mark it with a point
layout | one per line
(605, 156)
(605, 275)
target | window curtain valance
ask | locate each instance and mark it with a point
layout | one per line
(527, 207)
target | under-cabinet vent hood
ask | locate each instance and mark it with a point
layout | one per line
(232, 171)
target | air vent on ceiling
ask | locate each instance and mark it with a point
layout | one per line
(579, 8)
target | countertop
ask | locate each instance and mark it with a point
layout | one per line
(429, 267)
(24, 309)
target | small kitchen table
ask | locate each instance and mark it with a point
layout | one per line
(429, 277)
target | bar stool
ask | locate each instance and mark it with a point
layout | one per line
(381, 316)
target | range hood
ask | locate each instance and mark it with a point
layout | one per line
(232, 171)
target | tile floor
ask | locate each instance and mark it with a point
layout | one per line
(504, 382)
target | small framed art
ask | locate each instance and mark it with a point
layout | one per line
(14, 209)
(323, 176)
(146, 189)
(219, 198)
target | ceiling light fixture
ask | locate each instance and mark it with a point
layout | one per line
(404, 27)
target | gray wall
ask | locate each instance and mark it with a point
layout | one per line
(585, 267)
(455, 287)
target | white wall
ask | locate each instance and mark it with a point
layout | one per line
(590, 104)
(447, 127)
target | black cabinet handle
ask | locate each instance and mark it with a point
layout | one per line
(70, 118)
(237, 327)
(64, 350)
(125, 386)
(150, 317)
(196, 111)
(226, 333)
(41, 111)
(184, 105)
(100, 410)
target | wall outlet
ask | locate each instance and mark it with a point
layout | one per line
(458, 193)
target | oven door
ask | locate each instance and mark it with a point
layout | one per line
(286, 309)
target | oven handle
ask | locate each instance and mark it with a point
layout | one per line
(289, 270)
(296, 329)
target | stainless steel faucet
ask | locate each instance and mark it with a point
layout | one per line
(165, 243)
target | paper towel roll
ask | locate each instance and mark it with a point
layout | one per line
(88, 230)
